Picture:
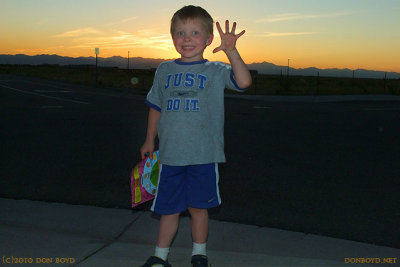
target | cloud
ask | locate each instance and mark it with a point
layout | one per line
(121, 39)
(165, 37)
(78, 32)
(87, 37)
(122, 21)
(282, 34)
(298, 16)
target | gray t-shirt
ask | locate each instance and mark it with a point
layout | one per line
(190, 97)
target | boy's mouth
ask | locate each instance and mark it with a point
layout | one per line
(188, 47)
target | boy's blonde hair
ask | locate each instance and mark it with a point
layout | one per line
(193, 12)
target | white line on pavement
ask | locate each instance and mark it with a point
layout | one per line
(52, 91)
(45, 107)
(261, 107)
(46, 84)
(52, 97)
(381, 109)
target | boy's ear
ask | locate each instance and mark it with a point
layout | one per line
(210, 39)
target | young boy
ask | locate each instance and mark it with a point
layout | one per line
(187, 111)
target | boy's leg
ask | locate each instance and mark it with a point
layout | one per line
(166, 233)
(167, 230)
(199, 224)
(169, 202)
(202, 193)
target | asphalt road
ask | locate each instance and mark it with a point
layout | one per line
(329, 168)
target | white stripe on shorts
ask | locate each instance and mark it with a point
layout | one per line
(158, 183)
(217, 181)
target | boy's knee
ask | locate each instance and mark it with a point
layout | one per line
(170, 217)
(197, 211)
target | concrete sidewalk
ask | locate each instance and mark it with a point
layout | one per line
(54, 234)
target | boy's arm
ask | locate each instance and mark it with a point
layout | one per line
(148, 146)
(228, 45)
(239, 68)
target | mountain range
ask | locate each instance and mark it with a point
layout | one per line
(150, 63)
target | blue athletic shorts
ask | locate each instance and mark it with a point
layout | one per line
(180, 187)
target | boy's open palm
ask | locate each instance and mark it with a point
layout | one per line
(228, 39)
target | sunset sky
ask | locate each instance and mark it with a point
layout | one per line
(311, 33)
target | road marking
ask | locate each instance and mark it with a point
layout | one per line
(36, 94)
(261, 107)
(52, 107)
(52, 91)
(46, 84)
(381, 109)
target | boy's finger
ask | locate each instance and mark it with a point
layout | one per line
(147, 154)
(241, 33)
(216, 49)
(233, 28)
(219, 28)
(227, 26)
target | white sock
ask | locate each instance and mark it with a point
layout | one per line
(162, 253)
(199, 249)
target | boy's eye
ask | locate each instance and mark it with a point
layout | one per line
(195, 33)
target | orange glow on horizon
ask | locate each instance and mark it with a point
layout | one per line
(336, 34)
(336, 60)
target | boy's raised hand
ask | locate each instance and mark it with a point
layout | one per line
(228, 39)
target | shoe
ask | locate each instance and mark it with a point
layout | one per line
(200, 261)
(153, 260)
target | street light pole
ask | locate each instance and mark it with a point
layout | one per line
(128, 60)
(288, 67)
(96, 51)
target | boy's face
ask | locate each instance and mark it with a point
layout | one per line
(190, 39)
